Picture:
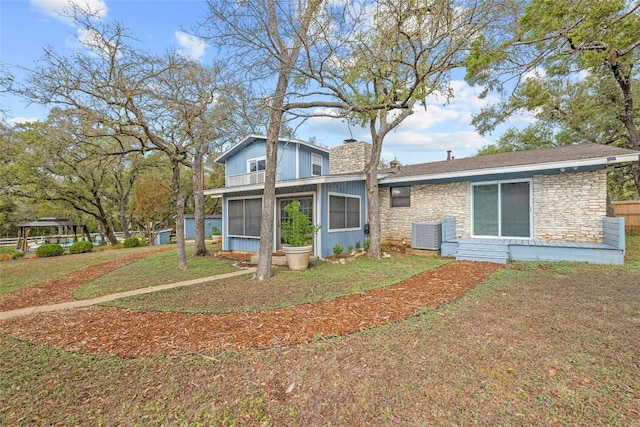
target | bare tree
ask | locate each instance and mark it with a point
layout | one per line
(376, 62)
(146, 102)
(265, 37)
(372, 62)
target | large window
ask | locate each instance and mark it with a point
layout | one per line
(244, 217)
(502, 209)
(316, 164)
(400, 197)
(344, 212)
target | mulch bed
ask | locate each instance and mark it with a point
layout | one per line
(125, 333)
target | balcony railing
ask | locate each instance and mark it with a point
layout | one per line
(248, 178)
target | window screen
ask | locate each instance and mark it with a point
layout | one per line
(244, 217)
(344, 212)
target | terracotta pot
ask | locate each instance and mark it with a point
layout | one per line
(297, 256)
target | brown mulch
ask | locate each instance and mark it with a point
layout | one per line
(107, 330)
(60, 289)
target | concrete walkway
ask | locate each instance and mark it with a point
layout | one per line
(88, 302)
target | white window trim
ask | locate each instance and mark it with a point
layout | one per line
(505, 181)
(338, 230)
(228, 216)
(256, 159)
(316, 159)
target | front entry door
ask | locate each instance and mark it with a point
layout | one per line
(306, 207)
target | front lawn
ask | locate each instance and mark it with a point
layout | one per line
(538, 344)
(321, 282)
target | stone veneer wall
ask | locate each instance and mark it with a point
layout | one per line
(428, 203)
(349, 157)
(567, 206)
(570, 206)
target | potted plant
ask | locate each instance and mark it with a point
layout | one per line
(216, 235)
(298, 233)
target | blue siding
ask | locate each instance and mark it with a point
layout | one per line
(209, 222)
(162, 237)
(294, 160)
(287, 160)
(304, 159)
(344, 238)
(238, 164)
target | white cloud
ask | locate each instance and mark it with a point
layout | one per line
(190, 46)
(424, 136)
(61, 9)
(17, 120)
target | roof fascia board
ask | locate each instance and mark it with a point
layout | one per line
(518, 168)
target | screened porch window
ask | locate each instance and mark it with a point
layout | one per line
(244, 217)
(344, 212)
(502, 209)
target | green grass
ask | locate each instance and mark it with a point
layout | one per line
(323, 281)
(537, 344)
(154, 270)
(22, 273)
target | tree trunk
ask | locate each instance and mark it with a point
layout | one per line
(624, 79)
(263, 269)
(122, 205)
(198, 201)
(373, 202)
(177, 191)
(108, 231)
(288, 58)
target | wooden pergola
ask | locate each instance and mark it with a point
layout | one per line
(64, 225)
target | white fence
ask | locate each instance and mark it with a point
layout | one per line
(64, 240)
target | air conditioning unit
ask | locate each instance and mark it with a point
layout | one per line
(426, 235)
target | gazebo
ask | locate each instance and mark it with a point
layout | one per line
(64, 225)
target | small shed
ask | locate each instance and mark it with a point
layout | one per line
(162, 237)
(63, 225)
(210, 221)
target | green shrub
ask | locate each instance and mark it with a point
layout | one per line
(131, 242)
(14, 253)
(337, 250)
(358, 245)
(49, 249)
(81, 247)
(366, 245)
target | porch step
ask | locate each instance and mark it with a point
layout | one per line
(481, 251)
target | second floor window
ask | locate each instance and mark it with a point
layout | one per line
(257, 164)
(316, 165)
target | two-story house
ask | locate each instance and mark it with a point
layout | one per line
(334, 200)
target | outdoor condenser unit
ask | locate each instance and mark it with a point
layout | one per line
(426, 235)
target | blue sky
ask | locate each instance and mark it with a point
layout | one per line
(27, 26)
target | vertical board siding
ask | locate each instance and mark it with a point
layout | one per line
(346, 238)
(286, 160)
(190, 226)
(630, 211)
(237, 164)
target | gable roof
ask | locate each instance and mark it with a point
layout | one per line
(568, 156)
(250, 139)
